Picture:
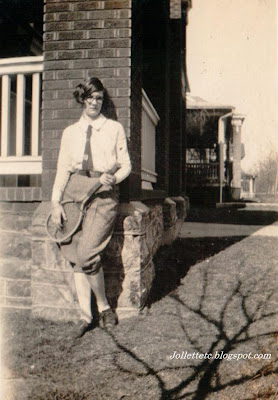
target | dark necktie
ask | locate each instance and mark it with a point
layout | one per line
(87, 163)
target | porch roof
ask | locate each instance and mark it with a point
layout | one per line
(197, 103)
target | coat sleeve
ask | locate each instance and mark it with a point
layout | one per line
(64, 168)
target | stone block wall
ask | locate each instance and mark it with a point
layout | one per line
(15, 255)
(53, 293)
(128, 260)
(34, 276)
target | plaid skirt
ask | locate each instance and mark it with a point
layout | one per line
(85, 247)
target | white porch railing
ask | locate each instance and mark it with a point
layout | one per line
(20, 115)
(150, 120)
(202, 172)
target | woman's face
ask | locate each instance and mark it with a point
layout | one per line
(93, 104)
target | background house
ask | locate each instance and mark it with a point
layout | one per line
(214, 151)
(137, 49)
(226, 57)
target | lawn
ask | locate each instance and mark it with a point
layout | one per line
(210, 293)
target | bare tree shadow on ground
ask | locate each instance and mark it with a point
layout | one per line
(225, 311)
(217, 296)
(173, 262)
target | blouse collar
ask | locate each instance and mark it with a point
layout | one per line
(96, 123)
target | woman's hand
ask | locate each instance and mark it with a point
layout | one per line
(107, 179)
(58, 216)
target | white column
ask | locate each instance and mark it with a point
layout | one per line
(36, 90)
(207, 155)
(20, 114)
(5, 111)
(237, 121)
(221, 171)
(251, 189)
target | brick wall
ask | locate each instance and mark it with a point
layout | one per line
(20, 194)
(81, 39)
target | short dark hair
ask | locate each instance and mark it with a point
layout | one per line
(86, 88)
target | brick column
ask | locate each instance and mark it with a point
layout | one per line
(177, 109)
(93, 38)
(81, 39)
(237, 121)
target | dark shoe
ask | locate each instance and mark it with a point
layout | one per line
(80, 329)
(108, 319)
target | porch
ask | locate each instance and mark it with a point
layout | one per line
(202, 173)
(214, 151)
(207, 174)
(20, 154)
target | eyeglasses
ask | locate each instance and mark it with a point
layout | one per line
(98, 99)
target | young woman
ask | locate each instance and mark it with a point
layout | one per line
(91, 147)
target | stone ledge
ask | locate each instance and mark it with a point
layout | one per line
(182, 205)
(174, 213)
(18, 207)
(169, 213)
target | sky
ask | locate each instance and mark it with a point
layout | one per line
(232, 58)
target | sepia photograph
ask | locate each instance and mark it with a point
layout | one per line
(138, 199)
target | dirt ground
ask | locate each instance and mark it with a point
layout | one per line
(210, 296)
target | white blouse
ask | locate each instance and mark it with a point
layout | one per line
(108, 146)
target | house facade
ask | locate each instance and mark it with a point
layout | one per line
(137, 49)
(214, 151)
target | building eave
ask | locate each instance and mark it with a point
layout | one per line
(197, 103)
